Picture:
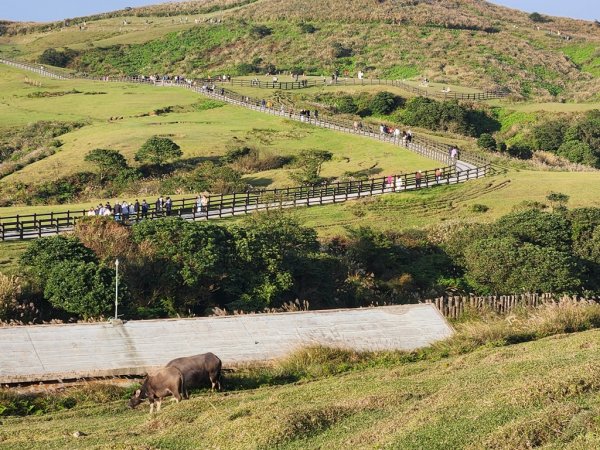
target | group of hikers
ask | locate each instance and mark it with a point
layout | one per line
(406, 136)
(124, 211)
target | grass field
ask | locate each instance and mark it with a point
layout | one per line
(200, 133)
(538, 394)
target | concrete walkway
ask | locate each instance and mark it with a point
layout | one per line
(60, 352)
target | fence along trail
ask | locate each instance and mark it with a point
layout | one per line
(470, 166)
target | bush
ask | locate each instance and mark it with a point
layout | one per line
(384, 103)
(486, 141)
(85, 289)
(310, 163)
(497, 265)
(549, 135)
(57, 58)
(346, 105)
(260, 31)
(307, 28)
(538, 18)
(109, 162)
(10, 289)
(579, 152)
(520, 150)
(42, 254)
(340, 51)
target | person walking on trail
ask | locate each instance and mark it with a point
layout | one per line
(136, 208)
(145, 208)
(418, 177)
(198, 204)
(263, 103)
(399, 183)
(168, 205)
(438, 175)
(204, 203)
(389, 181)
(158, 206)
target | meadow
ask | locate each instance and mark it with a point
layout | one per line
(486, 387)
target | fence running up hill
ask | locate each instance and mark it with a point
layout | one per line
(302, 84)
(290, 85)
(470, 166)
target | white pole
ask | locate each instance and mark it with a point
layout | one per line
(116, 287)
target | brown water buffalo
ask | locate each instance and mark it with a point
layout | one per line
(199, 370)
(158, 385)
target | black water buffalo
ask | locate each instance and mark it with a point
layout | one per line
(157, 385)
(199, 370)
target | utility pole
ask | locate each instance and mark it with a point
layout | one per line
(116, 287)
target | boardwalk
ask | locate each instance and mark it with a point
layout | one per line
(467, 168)
(52, 352)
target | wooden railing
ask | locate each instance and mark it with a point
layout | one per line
(284, 85)
(27, 226)
(470, 166)
(306, 83)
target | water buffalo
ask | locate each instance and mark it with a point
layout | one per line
(199, 370)
(157, 385)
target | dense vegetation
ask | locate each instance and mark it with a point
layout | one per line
(172, 267)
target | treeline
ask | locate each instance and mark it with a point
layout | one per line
(452, 115)
(171, 267)
(575, 138)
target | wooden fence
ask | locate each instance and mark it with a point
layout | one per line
(283, 85)
(301, 84)
(227, 205)
(470, 166)
(453, 307)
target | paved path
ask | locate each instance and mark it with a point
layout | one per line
(60, 352)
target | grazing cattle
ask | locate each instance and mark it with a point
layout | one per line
(199, 370)
(158, 385)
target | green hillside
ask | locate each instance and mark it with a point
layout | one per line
(473, 391)
(469, 42)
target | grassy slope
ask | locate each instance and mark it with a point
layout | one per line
(542, 393)
(519, 55)
(200, 133)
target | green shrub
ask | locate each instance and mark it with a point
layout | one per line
(579, 152)
(538, 18)
(346, 105)
(486, 141)
(85, 289)
(384, 103)
(549, 135)
(57, 58)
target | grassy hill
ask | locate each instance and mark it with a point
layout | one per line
(468, 42)
(473, 391)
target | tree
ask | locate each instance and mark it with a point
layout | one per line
(57, 58)
(271, 254)
(109, 162)
(158, 151)
(579, 152)
(191, 260)
(310, 163)
(486, 141)
(86, 289)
